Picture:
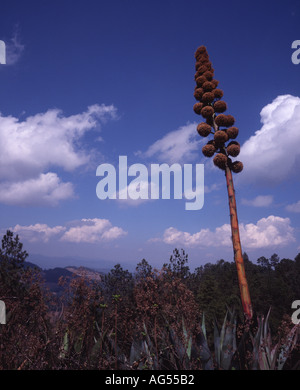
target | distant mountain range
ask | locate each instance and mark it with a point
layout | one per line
(51, 276)
(48, 262)
(52, 268)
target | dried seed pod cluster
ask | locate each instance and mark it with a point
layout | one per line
(210, 106)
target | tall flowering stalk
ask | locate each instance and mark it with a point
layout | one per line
(212, 108)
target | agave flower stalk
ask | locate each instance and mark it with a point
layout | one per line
(221, 126)
(237, 248)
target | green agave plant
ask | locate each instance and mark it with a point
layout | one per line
(175, 352)
(185, 352)
(225, 341)
(265, 355)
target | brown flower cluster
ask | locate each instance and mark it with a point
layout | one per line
(210, 106)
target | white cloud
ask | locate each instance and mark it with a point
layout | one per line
(272, 154)
(267, 232)
(259, 201)
(86, 231)
(93, 231)
(44, 141)
(178, 146)
(47, 139)
(37, 232)
(203, 238)
(294, 208)
(46, 189)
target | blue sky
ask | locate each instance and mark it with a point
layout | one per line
(88, 81)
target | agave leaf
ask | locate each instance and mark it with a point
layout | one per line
(97, 327)
(115, 348)
(274, 354)
(200, 349)
(147, 351)
(177, 344)
(291, 341)
(266, 324)
(263, 362)
(141, 349)
(147, 336)
(223, 330)
(225, 340)
(264, 355)
(260, 359)
(65, 346)
(188, 340)
(78, 344)
(180, 356)
(102, 333)
(203, 327)
(256, 342)
(96, 348)
(136, 351)
(267, 341)
(217, 343)
(229, 343)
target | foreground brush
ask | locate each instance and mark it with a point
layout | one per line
(223, 146)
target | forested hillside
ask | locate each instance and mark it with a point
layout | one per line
(161, 319)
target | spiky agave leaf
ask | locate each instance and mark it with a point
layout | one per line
(179, 355)
(289, 345)
(65, 346)
(149, 346)
(225, 341)
(203, 327)
(200, 348)
(78, 344)
(188, 340)
(136, 351)
(267, 357)
(115, 349)
(264, 356)
(229, 342)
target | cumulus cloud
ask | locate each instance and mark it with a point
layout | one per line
(44, 141)
(272, 154)
(259, 201)
(267, 232)
(294, 208)
(221, 237)
(83, 231)
(92, 231)
(46, 189)
(178, 146)
(37, 232)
